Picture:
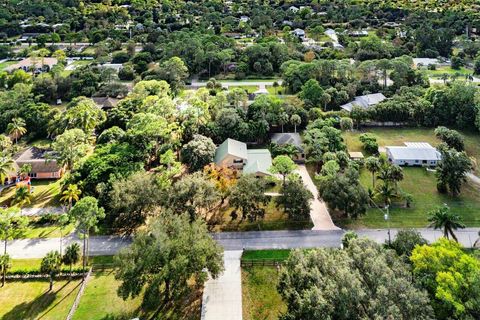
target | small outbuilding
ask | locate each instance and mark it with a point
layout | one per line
(356, 156)
(414, 154)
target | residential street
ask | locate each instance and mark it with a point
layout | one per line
(109, 245)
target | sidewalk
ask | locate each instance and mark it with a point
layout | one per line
(222, 297)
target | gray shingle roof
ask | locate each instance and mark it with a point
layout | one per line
(288, 138)
(365, 101)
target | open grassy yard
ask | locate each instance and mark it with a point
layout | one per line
(422, 186)
(397, 136)
(5, 64)
(45, 194)
(275, 219)
(447, 70)
(280, 254)
(47, 231)
(260, 299)
(100, 301)
(31, 300)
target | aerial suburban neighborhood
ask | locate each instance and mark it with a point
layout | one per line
(239, 160)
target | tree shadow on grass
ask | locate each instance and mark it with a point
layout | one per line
(39, 307)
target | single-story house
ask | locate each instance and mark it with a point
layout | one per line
(355, 155)
(414, 154)
(365, 101)
(235, 154)
(105, 103)
(38, 64)
(293, 139)
(358, 33)
(43, 167)
(299, 33)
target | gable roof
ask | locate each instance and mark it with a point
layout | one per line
(288, 138)
(106, 102)
(258, 161)
(28, 62)
(231, 147)
(365, 101)
(38, 159)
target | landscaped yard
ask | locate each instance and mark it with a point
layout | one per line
(5, 64)
(45, 194)
(31, 299)
(260, 299)
(418, 182)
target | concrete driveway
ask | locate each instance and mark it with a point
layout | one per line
(318, 209)
(222, 297)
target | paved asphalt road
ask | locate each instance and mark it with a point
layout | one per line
(104, 245)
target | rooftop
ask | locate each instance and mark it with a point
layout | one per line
(288, 138)
(258, 161)
(40, 160)
(231, 147)
(364, 101)
(414, 151)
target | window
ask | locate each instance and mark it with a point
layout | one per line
(424, 161)
(237, 161)
(32, 174)
(417, 161)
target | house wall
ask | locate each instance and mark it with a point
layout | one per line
(412, 163)
(299, 157)
(47, 175)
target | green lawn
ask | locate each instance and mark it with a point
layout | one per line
(397, 136)
(448, 70)
(280, 254)
(422, 185)
(260, 298)
(47, 231)
(249, 89)
(275, 219)
(275, 91)
(5, 64)
(100, 301)
(45, 194)
(31, 300)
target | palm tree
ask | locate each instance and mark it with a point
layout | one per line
(16, 128)
(7, 165)
(443, 218)
(22, 196)
(373, 165)
(387, 193)
(295, 120)
(51, 265)
(71, 195)
(72, 255)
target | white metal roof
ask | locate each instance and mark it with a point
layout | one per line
(414, 151)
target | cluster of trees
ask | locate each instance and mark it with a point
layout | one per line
(363, 280)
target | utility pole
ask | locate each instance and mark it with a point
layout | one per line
(387, 218)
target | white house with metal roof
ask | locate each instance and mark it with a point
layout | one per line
(365, 101)
(414, 154)
(235, 154)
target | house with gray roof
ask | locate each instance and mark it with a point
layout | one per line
(414, 154)
(291, 138)
(235, 154)
(365, 101)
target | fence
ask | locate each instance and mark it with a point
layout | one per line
(261, 263)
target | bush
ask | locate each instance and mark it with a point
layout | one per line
(120, 57)
(126, 73)
(369, 142)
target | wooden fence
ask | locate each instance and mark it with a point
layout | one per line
(261, 263)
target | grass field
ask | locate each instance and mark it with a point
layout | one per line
(275, 219)
(45, 194)
(47, 231)
(418, 182)
(31, 300)
(260, 298)
(5, 64)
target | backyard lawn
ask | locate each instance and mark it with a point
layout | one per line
(260, 298)
(5, 64)
(31, 300)
(447, 70)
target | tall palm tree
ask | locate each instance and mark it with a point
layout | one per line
(16, 128)
(373, 165)
(7, 165)
(72, 255)
(443, 218)
(386, 192)
(71, 195)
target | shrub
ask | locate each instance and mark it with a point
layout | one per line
(369, 142)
